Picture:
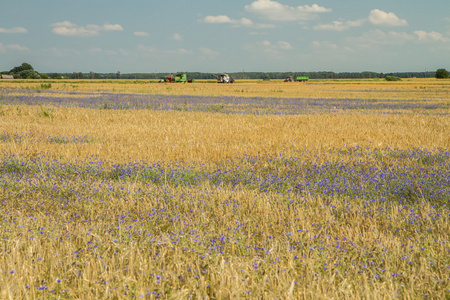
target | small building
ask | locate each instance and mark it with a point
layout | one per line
(4, 76)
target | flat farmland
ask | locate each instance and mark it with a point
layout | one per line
(407, 89)
(136, 189)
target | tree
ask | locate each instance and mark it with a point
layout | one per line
(442, 73)
(55, 75)
(93, 75)
(28, 74)
(77, 75)
(24, 71)
(23, 67)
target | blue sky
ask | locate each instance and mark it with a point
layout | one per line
(225, 36)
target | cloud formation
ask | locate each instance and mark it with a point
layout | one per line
(376, 17)
(340, 25)
(430, 36)
(223, 19)
(176, 37)
(284, 45)
(67, 28)
(274, 50)
(379, 17)
(276, 11)
(13, 47)
(141, 33)
(324, 45)
(13, 30)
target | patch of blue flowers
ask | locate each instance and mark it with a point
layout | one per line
(222, 104)
(406, 176)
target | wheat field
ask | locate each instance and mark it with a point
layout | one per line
(134, 189)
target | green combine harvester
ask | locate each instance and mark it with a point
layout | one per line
(181, 77)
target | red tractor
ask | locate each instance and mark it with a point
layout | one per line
(289, 79)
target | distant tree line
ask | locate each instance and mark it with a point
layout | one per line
(246, 75)
(26, 71)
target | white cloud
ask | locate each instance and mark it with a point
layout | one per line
(276, 11)
(13, 30)
(13, 47)
(263, 26)
(379, 17)
(222, 19)
(376, 17)
(400, 36)
(245, 22)
(430, 36)
(68, 28)
(324, 44)
(375, 39)
(217, 19)
(17, 47)
(112, 27)
(64, 24)
(284, 45)
(274, 49)
(141, 33)
(340, 25)
(177, 37)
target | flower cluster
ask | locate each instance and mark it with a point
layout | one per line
(224, 104)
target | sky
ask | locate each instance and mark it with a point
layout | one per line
(146, 36)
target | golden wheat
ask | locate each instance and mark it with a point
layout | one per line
(119, 135)
(107, 204)
(427, 90)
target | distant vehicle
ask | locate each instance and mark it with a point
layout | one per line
(297, 79)
(224, 78)
(180, 77)
(302, 78)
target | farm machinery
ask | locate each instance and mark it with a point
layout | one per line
(297, 79)
(180, 77)
(224, 78)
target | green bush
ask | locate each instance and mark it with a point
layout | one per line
(46, 86)
(392, 78)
